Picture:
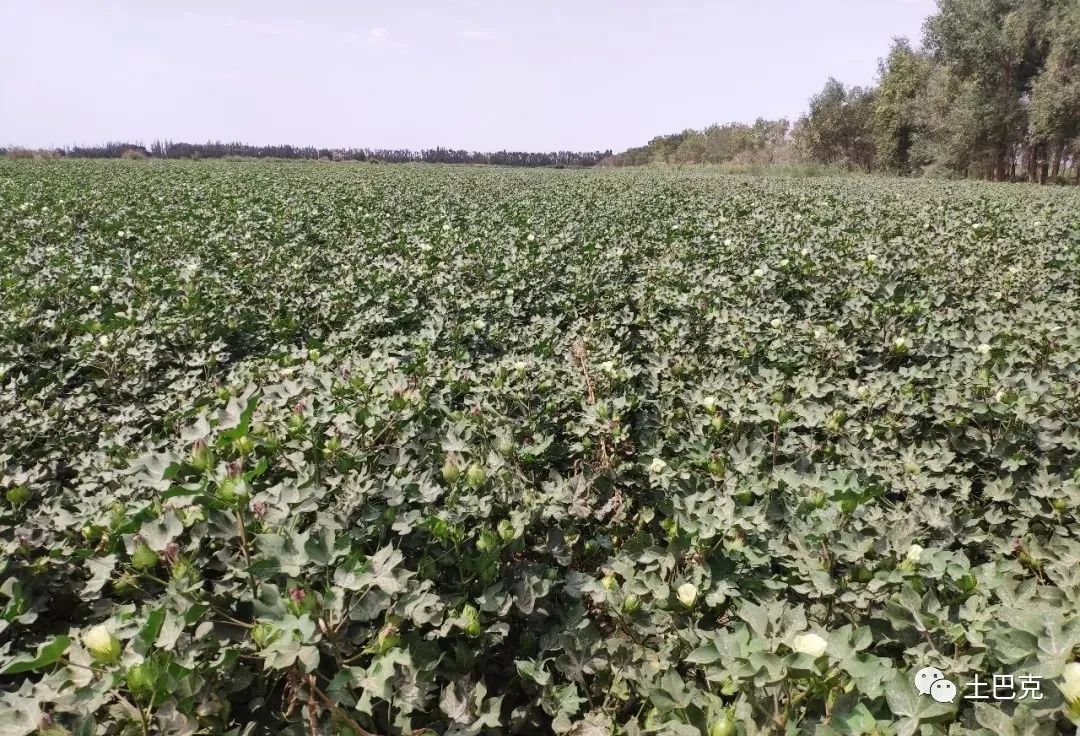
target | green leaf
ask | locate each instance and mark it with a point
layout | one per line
(704, 654)
(47, 654)
(992, 718)
(756, 616)
(905, 700)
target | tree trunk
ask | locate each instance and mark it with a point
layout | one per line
(1058, 155)
(1032, 159)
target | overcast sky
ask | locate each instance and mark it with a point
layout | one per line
(474, 74)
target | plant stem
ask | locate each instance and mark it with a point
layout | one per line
(138, 711)
(243, 549)
(360, 731)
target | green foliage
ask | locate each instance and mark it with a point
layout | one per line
(902, 79)
(383, 449)
(839, 126)
(993, 92)
(1055, 95)
(763, 143)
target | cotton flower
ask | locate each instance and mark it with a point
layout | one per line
(914, 553)
(900, 343)
(811, 644)
(658, 465)
(709, 403)
(95, 289)
(759, 273)
(687, 594)
(102, 644)
(187, 273)
(983, 349)
(775, 322)
(1070, 683)
(871, 259)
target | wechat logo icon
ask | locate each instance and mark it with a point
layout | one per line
(931, 681)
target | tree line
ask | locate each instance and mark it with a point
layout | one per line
(993, 91)
(218, 149)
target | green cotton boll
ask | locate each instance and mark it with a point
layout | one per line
(471, 620)
(144, 558)
(142, 678)
(17, 496)
(506, 530)
(450, 472)
(440, 529)
(126, 583)
(184, 572)
(233, 490)
(475, 476)
(487, 541)
(722, 725)
(201, 457)
(264, 633)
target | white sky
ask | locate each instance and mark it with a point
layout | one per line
(473, 74)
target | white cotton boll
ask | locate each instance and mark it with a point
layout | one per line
(1070, 685)
(811, 644)
(687, 594)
